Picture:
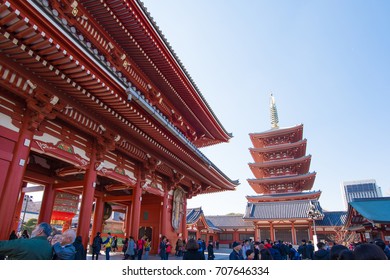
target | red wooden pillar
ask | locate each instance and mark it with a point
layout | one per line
(47, 204)
(184, 232)
(97, 218)
(18, 209)
(136, 208)
(164, 217)
(11, 189)
(310, 232)
(128, 220)
(293, 233)
(87, 200)
(236, 236)
(381, 230)
(256, 233)
(271, 231)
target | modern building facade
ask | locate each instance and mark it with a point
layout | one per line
(360, 189)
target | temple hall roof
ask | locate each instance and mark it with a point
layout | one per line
(280, 210)
(229, 221)
(376, 210)
(195, 214)
(333, 218)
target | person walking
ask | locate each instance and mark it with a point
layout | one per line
(179, 247)
(114, 244)
(210, 251)
(125, 243)
(131, 249)
(96, 246)
(140, 247)
(80, 251)
(147, 248)
(108, 245)
(163, 248)
(191, 251)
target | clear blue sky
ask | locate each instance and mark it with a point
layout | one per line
(326, 62)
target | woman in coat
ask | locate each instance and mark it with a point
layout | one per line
(192, 252)
(80, 251)
(130, 252)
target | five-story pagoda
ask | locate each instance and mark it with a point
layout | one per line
(281, 210)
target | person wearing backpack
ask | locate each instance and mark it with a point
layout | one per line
(108, 244)
(293, 254)
(96, 245)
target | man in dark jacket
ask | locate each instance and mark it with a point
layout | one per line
(310, 250)
(35, 248)
(96, 245)
(321, 254)
(80, 251)
(210, 251)
(382, 245)
(236, 253)
(302, 250)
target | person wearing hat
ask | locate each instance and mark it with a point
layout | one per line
(236, 253)
(96, 245)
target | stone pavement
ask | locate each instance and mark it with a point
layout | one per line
(221, 254)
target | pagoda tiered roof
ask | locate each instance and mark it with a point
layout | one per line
(314, 195)
(277, 136)
(291, 150)
(283, 184)
(281, 167)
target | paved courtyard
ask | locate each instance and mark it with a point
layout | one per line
(221, 254)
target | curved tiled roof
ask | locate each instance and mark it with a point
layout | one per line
(194, 214)
(376, 210)
(229, 221)
(280, 210)
(333, 219)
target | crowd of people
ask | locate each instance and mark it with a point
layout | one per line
(43, 244)
(268, 250)
(47, 244)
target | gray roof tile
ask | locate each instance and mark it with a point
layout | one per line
(229, 221)
(333, 218)
(280, 210)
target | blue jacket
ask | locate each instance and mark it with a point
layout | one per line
(66, 252)
(234, 255)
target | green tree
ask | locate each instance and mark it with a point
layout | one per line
(30, 225)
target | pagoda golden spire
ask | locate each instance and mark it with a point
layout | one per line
(274, 113)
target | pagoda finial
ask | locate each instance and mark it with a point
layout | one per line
(274, 113)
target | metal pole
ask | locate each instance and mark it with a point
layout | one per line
(314, 223)
(26, 197)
